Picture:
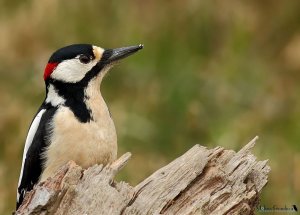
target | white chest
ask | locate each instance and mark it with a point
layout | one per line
(87, 144)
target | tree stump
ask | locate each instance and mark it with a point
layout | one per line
(201, 181)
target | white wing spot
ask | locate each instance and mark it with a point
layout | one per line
(33, 128)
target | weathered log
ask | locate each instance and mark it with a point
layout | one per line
(201, 181)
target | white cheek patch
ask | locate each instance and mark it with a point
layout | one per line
(72, 70)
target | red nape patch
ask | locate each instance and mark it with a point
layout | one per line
(49, 69)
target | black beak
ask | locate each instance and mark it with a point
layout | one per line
(111, 55)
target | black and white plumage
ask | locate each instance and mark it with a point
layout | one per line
(73, 122)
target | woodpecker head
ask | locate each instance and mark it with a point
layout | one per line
(74, 69)
(79, 63)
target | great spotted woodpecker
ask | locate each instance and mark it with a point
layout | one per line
(73, 122)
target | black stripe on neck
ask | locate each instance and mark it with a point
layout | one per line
(74, 94)
(74, 99)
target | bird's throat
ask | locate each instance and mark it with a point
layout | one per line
(94, 100)
(85, 102)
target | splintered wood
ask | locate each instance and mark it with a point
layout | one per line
(201, 181)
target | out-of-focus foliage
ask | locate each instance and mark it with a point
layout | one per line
(212, 72)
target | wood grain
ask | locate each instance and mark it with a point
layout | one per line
(201, 181)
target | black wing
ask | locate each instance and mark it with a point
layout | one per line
(33, 160)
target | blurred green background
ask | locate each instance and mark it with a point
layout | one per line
(212, 72)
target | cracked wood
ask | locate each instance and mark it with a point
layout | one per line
(201, 181)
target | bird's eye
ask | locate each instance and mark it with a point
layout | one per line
(84, 59)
